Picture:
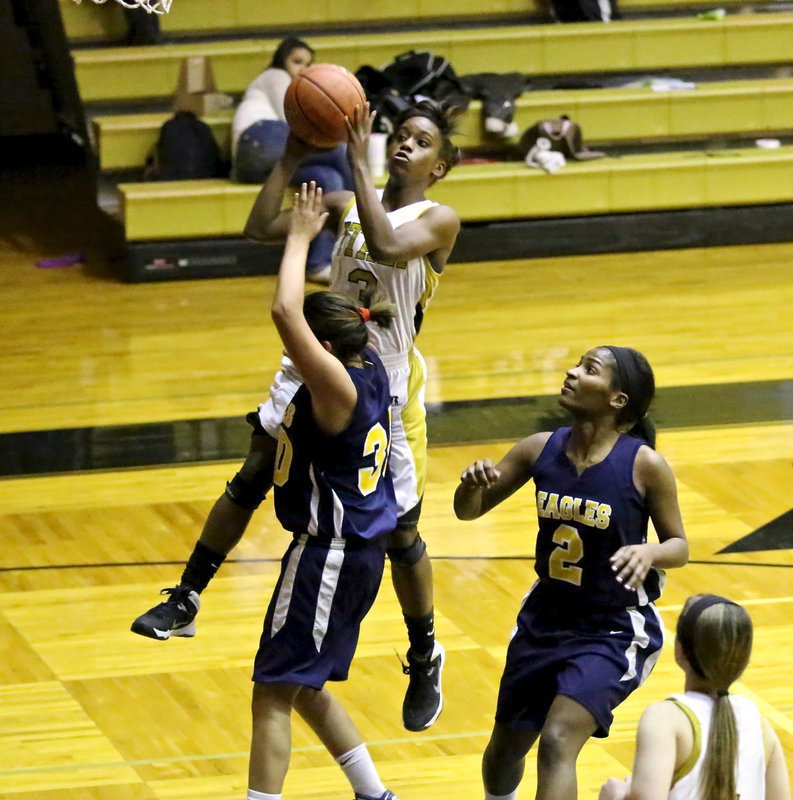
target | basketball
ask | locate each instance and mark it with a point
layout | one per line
(317, 101)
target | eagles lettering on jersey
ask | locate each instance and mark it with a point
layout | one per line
(353, 245)
(588, 512)
(584, 519)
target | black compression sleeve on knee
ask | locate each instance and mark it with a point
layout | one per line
(244, 494)
(407, 556)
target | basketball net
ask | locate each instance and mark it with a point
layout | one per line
(151, 6)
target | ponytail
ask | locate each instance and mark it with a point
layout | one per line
(718, 767)
(335, 319)
(381, 311)
(715, 635)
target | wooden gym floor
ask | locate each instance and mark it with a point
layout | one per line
(121, 419)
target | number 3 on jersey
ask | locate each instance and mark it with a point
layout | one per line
(377, 444)
(368, 477)
(563, 560)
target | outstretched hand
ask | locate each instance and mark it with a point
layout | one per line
(308, 213)
(359, 128)
(480, 475)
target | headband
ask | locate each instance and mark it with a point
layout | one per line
(630, 380)
(687, 622)
(365, 314)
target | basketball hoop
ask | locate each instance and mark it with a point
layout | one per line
(151, 6)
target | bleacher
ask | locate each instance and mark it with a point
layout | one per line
(674, 155)
(105, 23)
(730, 108)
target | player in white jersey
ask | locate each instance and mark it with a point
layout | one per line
(397, 242)
(706, 742)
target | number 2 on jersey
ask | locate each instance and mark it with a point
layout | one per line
(563, 560)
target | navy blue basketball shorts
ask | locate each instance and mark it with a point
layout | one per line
(595, 657)
(312, 624)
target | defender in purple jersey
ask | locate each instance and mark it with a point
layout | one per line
(334, 493)
(587, 633)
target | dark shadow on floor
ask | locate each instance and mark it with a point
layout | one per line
(48, 205)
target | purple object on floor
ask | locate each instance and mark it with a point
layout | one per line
(68, 260)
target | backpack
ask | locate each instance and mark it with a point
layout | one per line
(563, 135)
(411, 76)
(421, 72)
(185, 149)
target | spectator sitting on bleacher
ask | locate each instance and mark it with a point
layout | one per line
(258, 140)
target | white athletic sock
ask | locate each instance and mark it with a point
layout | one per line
(510, 796)
(254, 795)
(360, 771)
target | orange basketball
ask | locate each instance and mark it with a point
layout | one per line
(317, 101)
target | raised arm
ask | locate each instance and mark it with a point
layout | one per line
(333, 393)
(654, 478)
(268, 222)
(483, 485)
(433, 234)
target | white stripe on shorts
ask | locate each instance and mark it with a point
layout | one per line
(327, 591)
(653, 657)
(523, 603)
(640, 639)
(313, 523)
(285, 592)
(338, 514)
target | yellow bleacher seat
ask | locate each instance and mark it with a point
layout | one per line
(117, 74)
(203, 209)
(605, 115)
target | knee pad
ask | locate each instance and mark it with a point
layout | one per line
(244, 494)
(407, 556)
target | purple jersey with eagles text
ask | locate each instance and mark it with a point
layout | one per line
(584, 519)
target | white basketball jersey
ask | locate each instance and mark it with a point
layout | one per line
(750, 772)
(410, 285)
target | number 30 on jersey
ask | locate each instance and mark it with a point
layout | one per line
(376, 444)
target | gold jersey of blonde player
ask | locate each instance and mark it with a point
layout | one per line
(409, 284)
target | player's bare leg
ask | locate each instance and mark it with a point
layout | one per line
(336, 730)
(564, 733)
(271, 740)
(504, 759)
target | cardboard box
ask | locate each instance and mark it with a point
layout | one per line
(196, 90)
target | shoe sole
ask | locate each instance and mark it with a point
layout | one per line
(435, 716)
(187, 632)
